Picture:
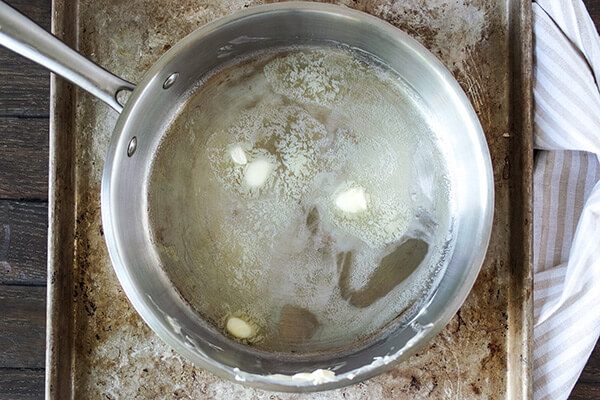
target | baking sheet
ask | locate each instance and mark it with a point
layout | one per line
(97, 345)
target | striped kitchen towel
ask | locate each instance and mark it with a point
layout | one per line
(566, 195)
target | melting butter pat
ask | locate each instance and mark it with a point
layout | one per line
(239, 328)
(316, 377)
(257, 172)
(238, 155)
(352, 200)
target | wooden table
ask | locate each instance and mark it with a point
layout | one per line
(24, 115)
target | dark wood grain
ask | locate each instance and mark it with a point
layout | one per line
(24, 110)
(593, 7)
(585, 391)
(36, 10)
(21, 384)
(588, 385)
(22, 326)
(24, 158)
(591, 373)
(24, 86)
(23, 236)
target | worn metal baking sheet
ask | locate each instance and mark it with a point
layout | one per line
(98, 347)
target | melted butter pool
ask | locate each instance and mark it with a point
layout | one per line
(305, 190)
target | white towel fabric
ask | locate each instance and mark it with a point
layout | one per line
(566, 195)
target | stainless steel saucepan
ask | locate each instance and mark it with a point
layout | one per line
(160, 96)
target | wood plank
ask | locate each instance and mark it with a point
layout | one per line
(24, 158)
(24, 86)
(22, 326)
(23, 238)
(24, 91)
(21, 384)
(585, 391)
(591, 373)
(37, 10)
(593, 7)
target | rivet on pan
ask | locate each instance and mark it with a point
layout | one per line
(170, 80)
(132, 146)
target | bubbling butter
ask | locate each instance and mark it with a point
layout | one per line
(239, 328)
(296, 179)
(316, 377)
(257, 172)
(238, 155)
(352, 200)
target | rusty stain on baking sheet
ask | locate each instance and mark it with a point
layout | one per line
(114, 354)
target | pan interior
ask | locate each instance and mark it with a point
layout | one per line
(300, 201)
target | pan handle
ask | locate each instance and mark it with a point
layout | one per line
(25, 37)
